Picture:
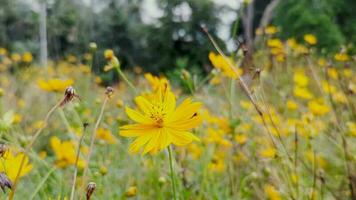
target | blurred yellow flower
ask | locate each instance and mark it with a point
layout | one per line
(310, 39)
(109, 54)
(300, 78)
(292, 105)
(270, 30)
(332, 73)
(274, 43)
(54, 85)
(241, 138)
(159, 123)
(217, 164)
(268, 153)
(131, 192)
(318, 107)
(352, 128)
(272, 193)
(27, 57)
(65, 153)
(3, 51)
(106, 135)
(11, 162)
(220, 63)
(155, 81)
(302, 93)
(342, 57)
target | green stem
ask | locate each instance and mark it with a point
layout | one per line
(172, 173)
(125, 79)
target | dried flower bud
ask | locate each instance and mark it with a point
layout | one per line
(69, 95)
(5, 182)
(109, 91)
(90, 189)
(3, 150)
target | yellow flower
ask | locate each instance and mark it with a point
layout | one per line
(155, 81)
(300, 78)
(11, 164)
(220, 63)
(268, 153)
(340, 97)
(272, 193)
(105, 134)
(320, 161)
(292, 105)
(159, 123)
(292, 43)
(310, 39)
(342, 57)
(131, 192)
(217, 164)
(65, 153)
(194, 150)
(3, 51)
(328, 88)
(27, 57)
(318, 107)
(274, 43)
(333, 73)
(270, 30)
(348, 73)
(54, 85)
(302, 92)
(109, 54)
(241, 138)
(352, 128)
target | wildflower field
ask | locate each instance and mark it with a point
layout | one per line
(287, 131)
(273, 118)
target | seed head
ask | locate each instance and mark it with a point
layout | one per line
(109, 91)
(90, 189)
(69, 95)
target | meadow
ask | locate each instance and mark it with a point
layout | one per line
(284, 130)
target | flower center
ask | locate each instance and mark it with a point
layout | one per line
(158, 115)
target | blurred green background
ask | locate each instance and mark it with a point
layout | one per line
(161, 35)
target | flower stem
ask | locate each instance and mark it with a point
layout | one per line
(28, 149)
(172, 173)
(92, 141)
(76, 164)
(123, 76)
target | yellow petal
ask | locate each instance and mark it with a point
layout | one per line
(137, 116)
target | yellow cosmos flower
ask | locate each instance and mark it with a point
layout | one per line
(352, 128)
(65, 153)
(27, 57)
(341, 57)
(159, 123)
(318, 107)
(221, 64)
(272, 193)
(300, 78)
(332, 73)
(302, 93)
(241, 138)
(155, 81)
(11, 162)
(54, 85)
(268, 153)
(105, 134)
(275, 43)
(310, 39)
(270, 30)
(292, 105)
